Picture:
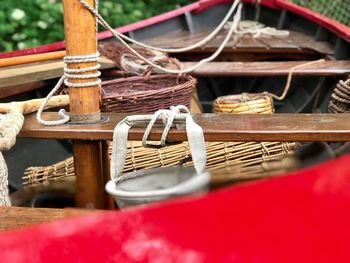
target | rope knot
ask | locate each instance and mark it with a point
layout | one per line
(167, 117)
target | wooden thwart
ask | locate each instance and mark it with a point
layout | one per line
(232, 69)
(296, 42)
(217, 127)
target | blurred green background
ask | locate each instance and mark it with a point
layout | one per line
(29, 23)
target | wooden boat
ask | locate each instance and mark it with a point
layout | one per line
(247, 64)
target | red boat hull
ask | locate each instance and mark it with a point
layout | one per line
(303, 217)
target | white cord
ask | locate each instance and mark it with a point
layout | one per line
(167, 117)
(166, 50)
(171, 71)
(257, 29)
(71, 74)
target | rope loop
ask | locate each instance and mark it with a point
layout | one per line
(77, 74)
(167, 117)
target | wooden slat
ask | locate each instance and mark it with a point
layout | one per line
(217, 127)
(330, 67)
(246, 41)
(308, 42)
(16, 217)
(277, 42)
(296, 42)
(34, 72)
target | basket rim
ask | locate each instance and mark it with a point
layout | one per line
(189, 82)
(252, 96)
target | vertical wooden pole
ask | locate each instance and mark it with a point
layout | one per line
(80, 38)
(106, 173)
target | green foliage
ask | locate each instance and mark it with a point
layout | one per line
(338, 10)
(28, 23)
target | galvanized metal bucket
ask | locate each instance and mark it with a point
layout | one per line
(146, 186)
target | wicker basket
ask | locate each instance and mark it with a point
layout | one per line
(129, 64)
(244, 103)
(146, 94)
(258, 164)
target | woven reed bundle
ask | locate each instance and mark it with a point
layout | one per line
(146, 94)
(246, 159)
(244, 103)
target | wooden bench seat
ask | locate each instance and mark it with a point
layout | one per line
(16, 217)
(296, 42)
(235, 69)
(217, 127)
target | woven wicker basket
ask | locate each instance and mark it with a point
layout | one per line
(146, 94)
(244, 103)
(129, 64)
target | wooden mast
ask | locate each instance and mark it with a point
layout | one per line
(80, 38)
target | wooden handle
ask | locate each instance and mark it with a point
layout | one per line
(6, 62)
(30, 106)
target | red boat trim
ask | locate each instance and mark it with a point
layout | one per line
(333, 26)
(205, 4)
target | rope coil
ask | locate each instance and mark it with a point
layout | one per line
(77, 74)
(340, 98)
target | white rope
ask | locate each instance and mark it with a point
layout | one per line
(256, 29)
(4, 192)
(167, 116)
(71, 74)
(194, 133)
(171, 71)
(167, 50)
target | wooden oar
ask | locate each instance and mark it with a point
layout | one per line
(6, 62)
(29, 106)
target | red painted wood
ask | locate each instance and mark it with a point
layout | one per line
(303, 217)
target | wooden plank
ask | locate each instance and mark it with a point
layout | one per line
(33, 72)
(247, 41)
(308, 42)
(325, 68)
(296, 42)
(17, 217)
(217, 127)
(277, 42)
